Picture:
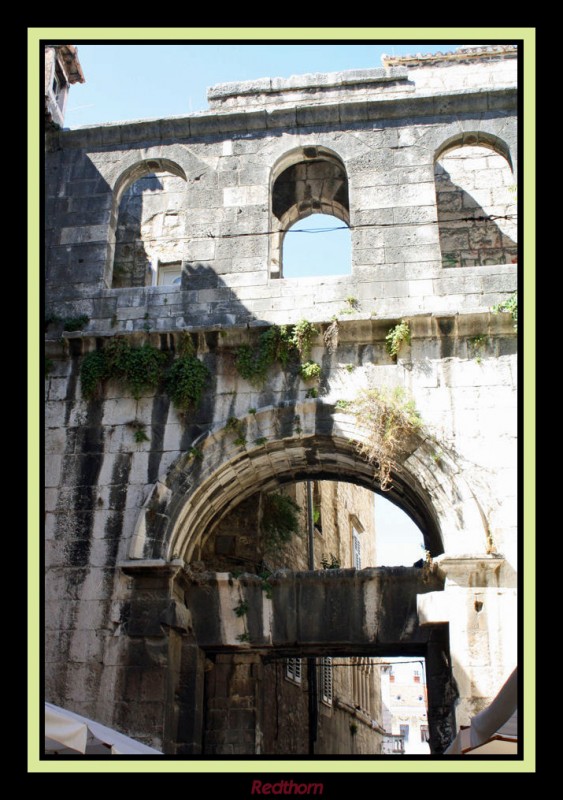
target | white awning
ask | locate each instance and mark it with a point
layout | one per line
(67, 733)
(494, 731)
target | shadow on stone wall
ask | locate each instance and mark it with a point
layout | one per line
(131, 265)
(467, 237)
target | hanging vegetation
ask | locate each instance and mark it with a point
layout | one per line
(390, 418)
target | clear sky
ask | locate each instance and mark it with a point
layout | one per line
(126, 82)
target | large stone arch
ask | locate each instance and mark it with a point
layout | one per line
(310, 439)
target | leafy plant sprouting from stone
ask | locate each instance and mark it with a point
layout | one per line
(241, 609)
(310, 371)
(353, 304)
(280, 521)
(399, 335)
(75, 323)
(70, 324)
(141, 369)
(476, 345)
(187, 377)
(236, 427)
(302, 337)
(137, 369)
(265, 574)
(333, 563)
(280, 343)
(139, 431)
(390, 419)
(510, 306)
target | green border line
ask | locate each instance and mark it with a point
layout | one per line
(35, 132)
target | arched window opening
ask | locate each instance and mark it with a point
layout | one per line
(149, 227)
(308, 182)
(476, 203)
(317, 245)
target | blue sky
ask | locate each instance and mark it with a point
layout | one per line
(126, 82)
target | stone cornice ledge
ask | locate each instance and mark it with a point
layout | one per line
(237, 122)
(470, 569)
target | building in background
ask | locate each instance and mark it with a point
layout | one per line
(62, 69)
(404, 707)
(347, 715)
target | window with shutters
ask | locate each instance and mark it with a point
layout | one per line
(326, 680)
(357, 549)
(293, 670)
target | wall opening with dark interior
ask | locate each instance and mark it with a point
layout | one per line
(305, 182)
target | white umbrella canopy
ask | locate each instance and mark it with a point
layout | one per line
(67, 733)
(494, 731)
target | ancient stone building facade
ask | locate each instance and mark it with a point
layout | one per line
(173, 401)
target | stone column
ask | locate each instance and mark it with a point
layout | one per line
(479, 603)
(161, 686)
(233, 705)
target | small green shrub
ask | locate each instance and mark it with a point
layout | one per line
(397, 337)
(186, 381)
(302, 337)
(280, 343)
(141, 436)
(509, 306)
(75, 323)
(93, 371)
(138, 369)
(241, 609)
(310, 371)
